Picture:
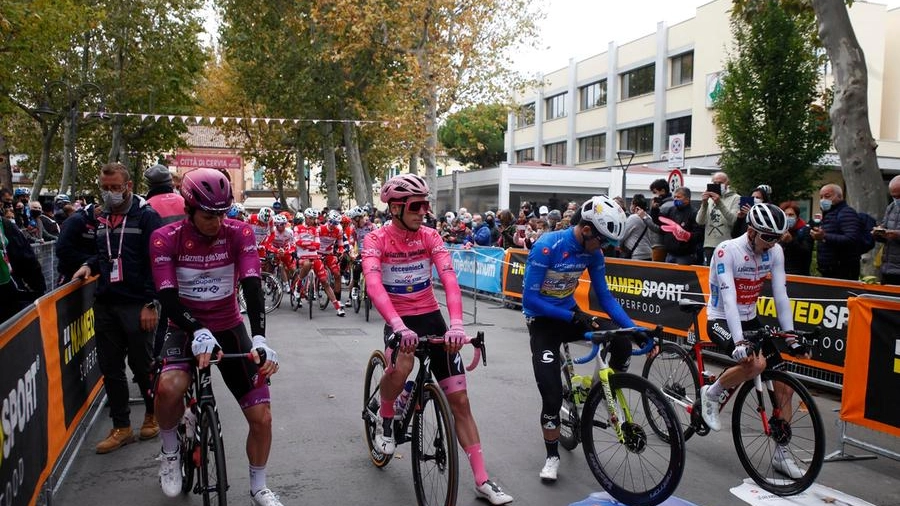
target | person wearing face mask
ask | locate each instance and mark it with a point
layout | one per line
(678, 229)
(796, 241)
(837, 254)
(125, 310)
(888, 232)
(717, 214)
(762, 194)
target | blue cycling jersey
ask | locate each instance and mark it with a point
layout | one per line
(555, 263)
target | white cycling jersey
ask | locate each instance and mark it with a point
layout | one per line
(736, 276)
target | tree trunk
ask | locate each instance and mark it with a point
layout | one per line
(351, 142)
(302, 194)
(48, 131)
(414, 163)
(6, 179)
(852, 135)
(367, 174)
(68, 152)
(115, 148)
(333, 200)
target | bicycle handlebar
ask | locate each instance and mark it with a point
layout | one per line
(477, 342)
(808, 339)
(218, 357)
(601, 337)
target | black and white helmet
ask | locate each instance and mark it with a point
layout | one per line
(605, 215)
(767, 218)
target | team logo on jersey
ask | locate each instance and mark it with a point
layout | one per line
(189, 244)
(565, 255)
(746, 258)
(720, 253)
(158, 242)
(545, 251)
(246, 231)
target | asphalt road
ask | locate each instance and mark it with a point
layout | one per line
(319, 454)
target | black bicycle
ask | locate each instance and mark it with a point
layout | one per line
(427, 422)
(200, 431)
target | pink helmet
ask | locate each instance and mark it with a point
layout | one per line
(207, 189)
(403, 186)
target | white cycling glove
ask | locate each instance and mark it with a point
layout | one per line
(741, 351)
(204, 342)
(260, 342)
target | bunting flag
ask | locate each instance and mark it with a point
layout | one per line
(211, 120)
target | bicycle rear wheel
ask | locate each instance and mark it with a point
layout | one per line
(792, 431)
(435, 460)
(641, 469)
(372, 404)
(272, 292)
(295, 296)
(367, 302)
(213, 476)
(323, 297)
(569, 426)
(673, 371)
(357, 301)
(188, 468)
(311, 283)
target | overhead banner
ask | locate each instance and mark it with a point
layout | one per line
(874, 356)
(208, 161)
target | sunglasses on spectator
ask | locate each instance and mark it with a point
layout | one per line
(417, 206)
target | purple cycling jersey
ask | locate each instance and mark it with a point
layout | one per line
(204, 270)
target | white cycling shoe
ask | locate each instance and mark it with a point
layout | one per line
(170, 473)
(550, 470)
(492, 493)
(265, 497)
(786, 465)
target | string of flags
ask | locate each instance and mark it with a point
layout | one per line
(211, 120)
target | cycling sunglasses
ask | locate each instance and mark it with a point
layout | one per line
(769, 238)
(418, 205)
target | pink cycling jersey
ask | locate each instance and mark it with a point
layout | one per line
(736, 276)
(397, 265)
(206, 271)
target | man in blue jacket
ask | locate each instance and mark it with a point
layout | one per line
(481, 231)
(837, 251)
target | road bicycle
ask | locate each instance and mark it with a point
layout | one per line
(775, 409)
(271, 286)
(303, 288)
(634, 465)
(427, 422)
(362, 299)
(201, 444)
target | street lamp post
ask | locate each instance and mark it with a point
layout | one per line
(623, 154)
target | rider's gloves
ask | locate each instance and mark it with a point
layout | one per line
(408, 339)
(741, 350)
(795, 348)
(260, 342)
(587, 322)
(204, 342)
(642, 337)
(456, 336)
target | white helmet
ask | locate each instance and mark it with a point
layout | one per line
(311, 212)
(355, 212)
(280, 219)
(334, 216)
(605, 215)
(265, 215)
(767, 218)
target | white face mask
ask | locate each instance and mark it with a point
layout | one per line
(757, 200)
(791, 221)
(825, 204)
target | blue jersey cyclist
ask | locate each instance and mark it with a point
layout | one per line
(555, 264)
(198, 263)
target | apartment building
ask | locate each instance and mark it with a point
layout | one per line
(635, 95)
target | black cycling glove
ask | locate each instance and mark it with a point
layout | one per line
(586, 321)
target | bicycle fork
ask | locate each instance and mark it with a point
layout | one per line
(614, 404)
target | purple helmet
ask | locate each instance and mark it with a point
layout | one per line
(207, 189)
(403, 186)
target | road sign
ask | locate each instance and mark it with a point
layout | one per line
(676, 151)
(676, 180)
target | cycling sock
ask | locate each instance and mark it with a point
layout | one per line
(552, 448)
(476, 460)
(257, 478)
(715, 391)
(169, 439)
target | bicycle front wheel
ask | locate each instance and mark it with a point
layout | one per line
(357, 301)
(311, 284)
(372, 405)
(569, 427)
(272, 292)
(295, 296)
(784, 452)
(435, 460)
(323, 297)
(673, 371)
(213, 476)
(636, 466)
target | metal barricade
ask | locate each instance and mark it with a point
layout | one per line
(46, 255)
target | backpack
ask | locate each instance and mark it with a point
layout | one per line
(866, 239)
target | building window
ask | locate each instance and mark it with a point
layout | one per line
(677, 126)
(638, 139)
(593, 95)
(683, 68)
(525, 155)
(556, 106)
(525, 116)
(555, 153)
(592, 148)
(639, 81)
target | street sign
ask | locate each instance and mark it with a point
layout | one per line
(676, 180)
(676, 151)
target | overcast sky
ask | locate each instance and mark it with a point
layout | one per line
(582, 28)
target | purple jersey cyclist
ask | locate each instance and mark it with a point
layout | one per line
(198, 263)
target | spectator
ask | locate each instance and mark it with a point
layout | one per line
(543, 212)
(679, 230)
(45, 217)
(837, 252)
(621, 202)
(491, 222)
(77, 242)
(161, 194)
(718, 212)
(480, 231)
(460, 233)
(762, 194)
(59, 203)
(125, 314)
(527, 210)
(888, 232)
(553, 218)
(507, 229)
(6, 201)
(638, 237)
(661, 202)
(21, 277)
(796, 243)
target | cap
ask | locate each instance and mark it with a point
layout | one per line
(543, 210)
(158, 175)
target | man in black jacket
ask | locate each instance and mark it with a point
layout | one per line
(125, 312)
(21, 278)
(837, 251)
(77, 242)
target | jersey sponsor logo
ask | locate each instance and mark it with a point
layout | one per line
(549, 422)
(720, 253)
(646, 288)
(547, 357)
(565, 255)
(720, 268)
(746, 258)
(765, 256)
(560, 284)
(162, 259)
(545, 251)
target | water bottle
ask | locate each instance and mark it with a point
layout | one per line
(190, 423)
(403, 400)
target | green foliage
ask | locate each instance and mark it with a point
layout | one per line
(474, 135)
(772, 118)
